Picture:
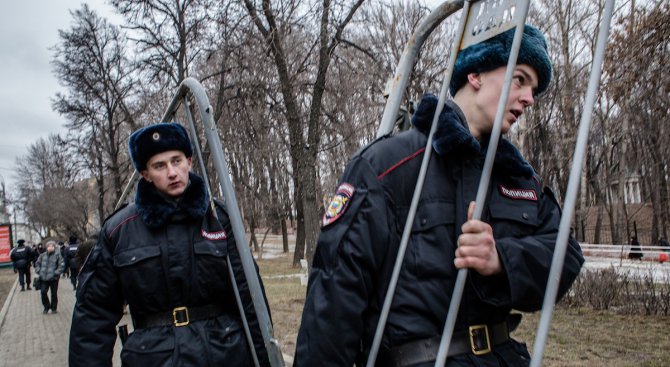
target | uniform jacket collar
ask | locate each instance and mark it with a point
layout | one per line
(155, 210)
(453, 137)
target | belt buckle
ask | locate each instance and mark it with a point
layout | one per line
(179, 311)
(477, 339)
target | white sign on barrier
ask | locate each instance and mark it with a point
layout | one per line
(489, 18)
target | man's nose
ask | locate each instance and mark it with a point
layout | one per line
(172, 171)
(527, 98)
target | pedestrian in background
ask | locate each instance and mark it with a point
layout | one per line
(71, 263)
(21, 257)
(62, 247)
(635, 249)
(49, 266)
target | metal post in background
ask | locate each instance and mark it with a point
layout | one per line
(573, 187)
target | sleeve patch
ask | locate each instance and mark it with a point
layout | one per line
(338, 205)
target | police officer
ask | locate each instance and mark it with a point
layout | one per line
(21, 257)
(71, 260)
(508, 252)
(165, 255)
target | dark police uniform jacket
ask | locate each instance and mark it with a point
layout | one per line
(159, 257)
(21, 256)
(361, 234)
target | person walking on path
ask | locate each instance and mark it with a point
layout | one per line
(49, 266)
(21, 257)
(167, 255)
(71, 262)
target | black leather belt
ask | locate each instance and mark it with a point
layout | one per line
(477, 340)
(179, 316)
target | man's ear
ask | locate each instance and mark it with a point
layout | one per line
(145, 175)
(475, 80)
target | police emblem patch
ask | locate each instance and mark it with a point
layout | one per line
(339, 203)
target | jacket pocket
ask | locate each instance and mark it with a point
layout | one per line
(431, 248)
(228, 343)
(147, 348)
(515, 219)
(211, 266)
(140, 263)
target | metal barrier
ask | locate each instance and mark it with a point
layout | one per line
(479, 21)
(193, 88)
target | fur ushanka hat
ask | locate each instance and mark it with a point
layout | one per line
(158, 138)
(494, 52)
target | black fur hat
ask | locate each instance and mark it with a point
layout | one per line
(21, 242)
(158, 138)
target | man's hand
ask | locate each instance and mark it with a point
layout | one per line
(476, 247)
(15, 271)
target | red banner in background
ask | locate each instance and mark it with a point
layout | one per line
(5, 243)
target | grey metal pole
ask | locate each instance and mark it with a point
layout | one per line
(573, 187)
(236, 291)
(221, 166)
(482, 190)
(390, 292)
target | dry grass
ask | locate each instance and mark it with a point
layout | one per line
(286, 297)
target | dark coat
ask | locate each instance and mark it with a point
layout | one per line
(21, 256)
(356, 251)
(157, 257)
(70, 256)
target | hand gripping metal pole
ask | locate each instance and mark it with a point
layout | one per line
(572, 190)
(402, 75)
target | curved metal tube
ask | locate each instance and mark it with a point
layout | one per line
(406, 63)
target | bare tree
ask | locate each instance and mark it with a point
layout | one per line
(89, 61)
(274, 22)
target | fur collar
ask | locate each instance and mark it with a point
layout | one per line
(453, 137)
(155, 209)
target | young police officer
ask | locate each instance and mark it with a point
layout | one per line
(508, 252)
(165, 255)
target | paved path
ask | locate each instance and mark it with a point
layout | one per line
(30, 338)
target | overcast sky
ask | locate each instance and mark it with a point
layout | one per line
(28, 30)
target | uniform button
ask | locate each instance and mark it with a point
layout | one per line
(524, 215)
(218, 252)
(143, 347)
(133, 259)
(424, 220)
